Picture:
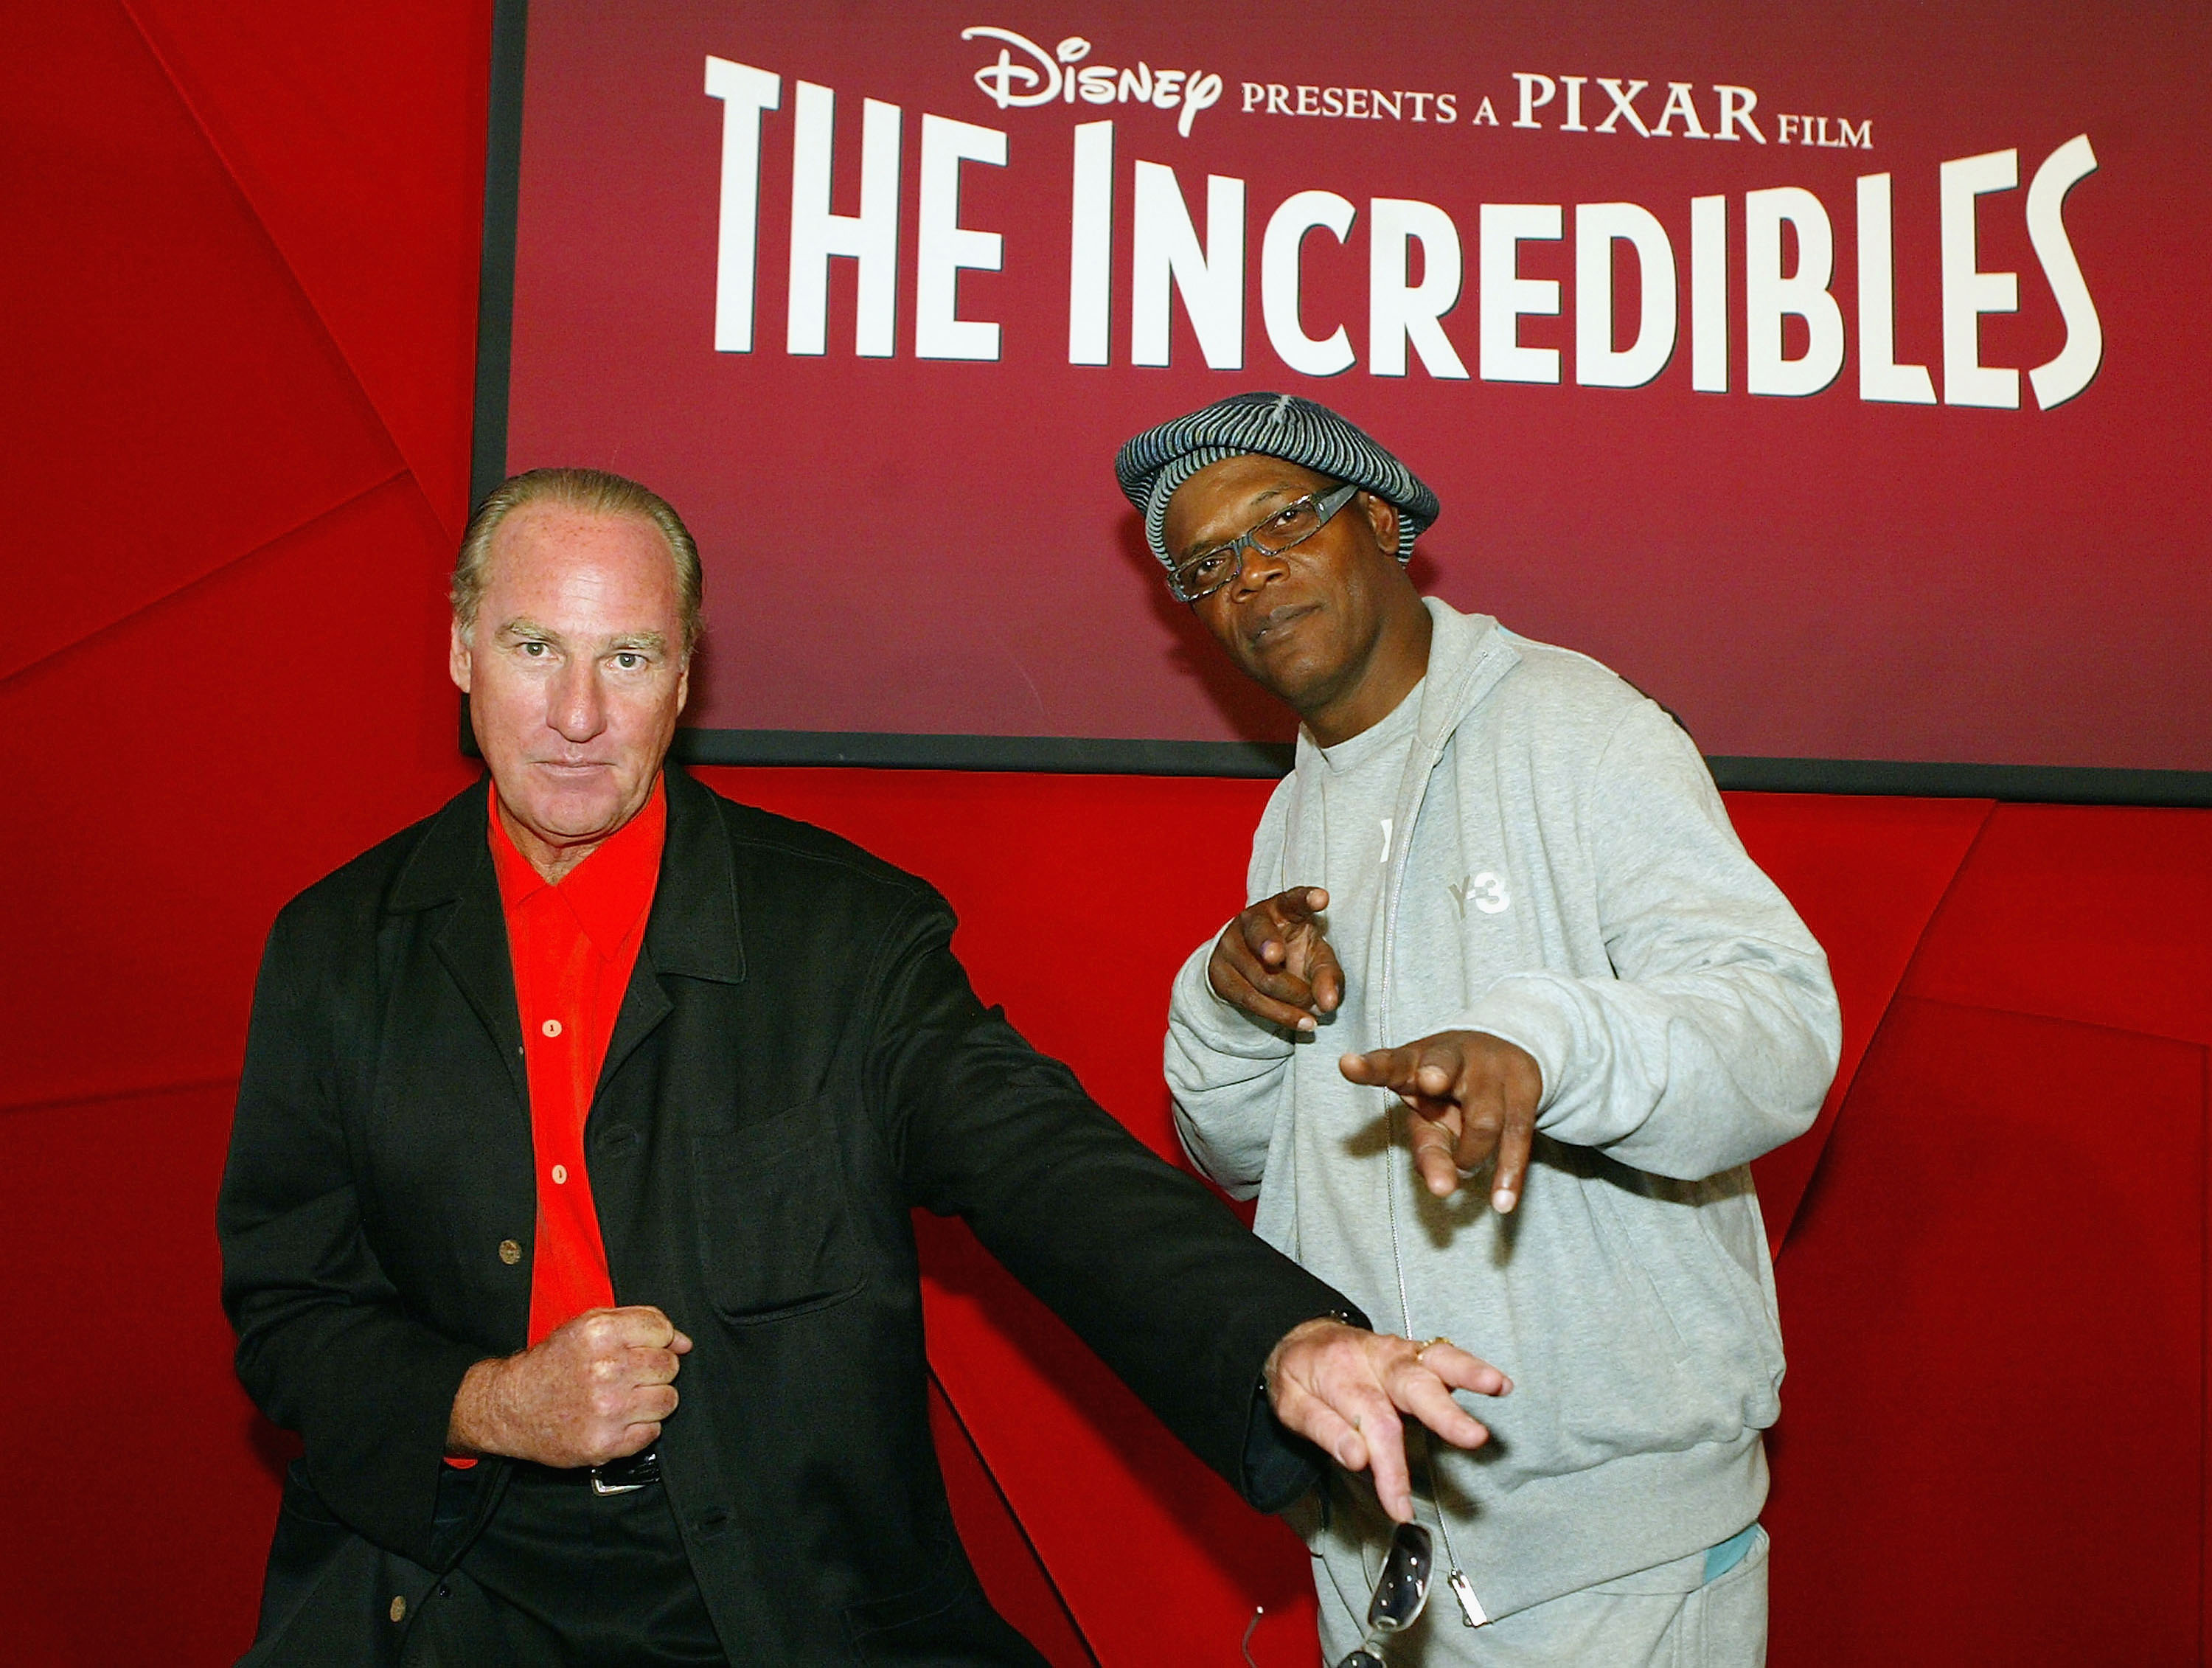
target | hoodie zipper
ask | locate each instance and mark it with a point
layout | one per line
(1471, 1611)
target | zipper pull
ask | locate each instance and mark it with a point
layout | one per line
(1470, 1607)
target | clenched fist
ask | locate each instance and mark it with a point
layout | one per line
(595, 1390)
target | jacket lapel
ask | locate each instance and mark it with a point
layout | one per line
(693, 931)
(453, 865)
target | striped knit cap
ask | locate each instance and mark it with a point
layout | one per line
(1154, 464)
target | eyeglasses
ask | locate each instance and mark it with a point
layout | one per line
(1199, 577)
(1400, 1593)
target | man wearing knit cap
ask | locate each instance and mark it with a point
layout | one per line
(1498, 927)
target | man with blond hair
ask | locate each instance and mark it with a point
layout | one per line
(566, 1215)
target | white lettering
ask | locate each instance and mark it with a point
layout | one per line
(1770, 296)
(1039, 79)
(1574, 84)
(1678, 104)
(1881, 378)
(2059, 379)
(943, 248)
(1505, 296)
(1598, 226)
(1531, 100)
(1736, 105)
(1203, 92)
(1278, 283)
(1166, 252)
(1709, 323)
(1091, 247)
(1398, 313)
(746, 93)
(1623, 105)
(1969, 293)
(817, 234)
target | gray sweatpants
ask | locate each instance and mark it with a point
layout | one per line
(1667, 1617)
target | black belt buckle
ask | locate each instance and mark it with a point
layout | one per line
(628, 1475)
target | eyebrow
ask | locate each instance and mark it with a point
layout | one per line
(523, 627)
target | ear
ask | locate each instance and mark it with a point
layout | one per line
(460, 664)
(1383, 516)
(683, 684)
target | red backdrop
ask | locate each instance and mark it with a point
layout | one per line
(241, 274)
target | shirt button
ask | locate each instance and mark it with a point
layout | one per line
(551, 1028)
(510, 1253)
(560, 1174)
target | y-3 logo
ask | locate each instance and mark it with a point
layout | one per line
(1484, 890)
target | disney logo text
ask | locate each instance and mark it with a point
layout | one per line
(1053, 75)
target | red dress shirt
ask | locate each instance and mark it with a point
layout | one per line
(573, 944)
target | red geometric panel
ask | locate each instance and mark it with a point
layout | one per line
(147, 1544)
(356, 134)
(1992, 1440)
(1007, 1564)
(1146, 1546)
(1865, 874)
(197, 766)
(2099, 914)
(178, 403)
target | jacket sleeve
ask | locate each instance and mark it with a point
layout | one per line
(1176, 1296)
(325, 1347)
(1719, 1036)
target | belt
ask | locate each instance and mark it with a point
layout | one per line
(625, 1476)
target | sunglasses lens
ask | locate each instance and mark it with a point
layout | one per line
(1404, 1587)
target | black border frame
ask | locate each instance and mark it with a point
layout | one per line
(2049, 784)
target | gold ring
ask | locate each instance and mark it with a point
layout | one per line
(1427, 1347)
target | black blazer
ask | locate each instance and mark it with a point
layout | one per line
(798, 1062)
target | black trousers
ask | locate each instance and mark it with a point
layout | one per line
(579, 1579)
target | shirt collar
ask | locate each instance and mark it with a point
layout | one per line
(609, 890)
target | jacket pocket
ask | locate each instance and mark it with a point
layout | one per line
(329, 1596)
(775, 1235)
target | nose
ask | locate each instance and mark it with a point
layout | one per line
(575, 705)
(1258, 569)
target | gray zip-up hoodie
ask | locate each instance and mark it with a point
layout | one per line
(1580, 893)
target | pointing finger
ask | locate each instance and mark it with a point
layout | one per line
(1385, 1436)
(1327, 975)
(1513, 1143)
(1434, 1140)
